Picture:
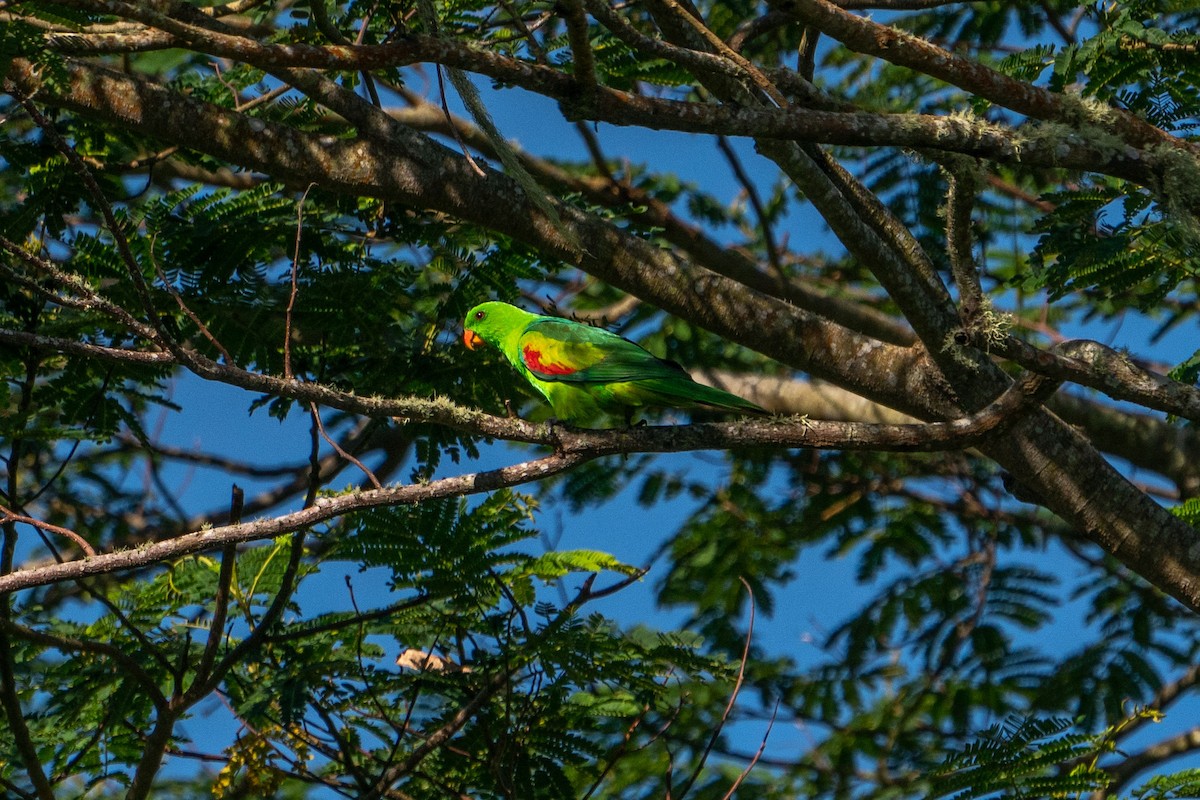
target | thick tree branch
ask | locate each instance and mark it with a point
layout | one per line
(1144, 441)
(1099, 367)
(874, 236)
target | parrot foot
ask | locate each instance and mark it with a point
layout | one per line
(551, 430)
(629, 423)
(512, 414)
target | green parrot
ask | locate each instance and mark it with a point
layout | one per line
(585, 371)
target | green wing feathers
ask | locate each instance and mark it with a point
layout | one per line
(561, 350)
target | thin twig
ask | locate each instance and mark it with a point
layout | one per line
(84, 299)
(372, 695)
(760, 211)
(287, 316)
(68, 645)
(171, 290)
(441, 82)
(683, 56)
(367, 79)
(758, 26)
(617, 752)
(314, 460)
(242, 649)
(316, 416)
(737, 687)
(539, 52)
(127, 443)
(8, 515)
(597, 155)
(758, 754)
(301, 631)
(216, 630)
(95, 404)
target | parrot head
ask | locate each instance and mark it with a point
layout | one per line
(490, 322)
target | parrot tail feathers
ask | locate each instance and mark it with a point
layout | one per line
(682, 394)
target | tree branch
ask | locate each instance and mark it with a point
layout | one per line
(1123, 772)
(69, 646)
(903, 49)
(8, 515)
(960, 200)
(1098, 366)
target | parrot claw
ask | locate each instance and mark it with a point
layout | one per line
(552, 426)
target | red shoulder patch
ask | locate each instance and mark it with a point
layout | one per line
(533, 360)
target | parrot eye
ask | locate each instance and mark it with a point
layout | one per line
(480, 314)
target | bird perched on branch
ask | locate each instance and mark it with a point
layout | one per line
(585, 371)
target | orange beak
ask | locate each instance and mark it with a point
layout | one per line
(472, 339)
